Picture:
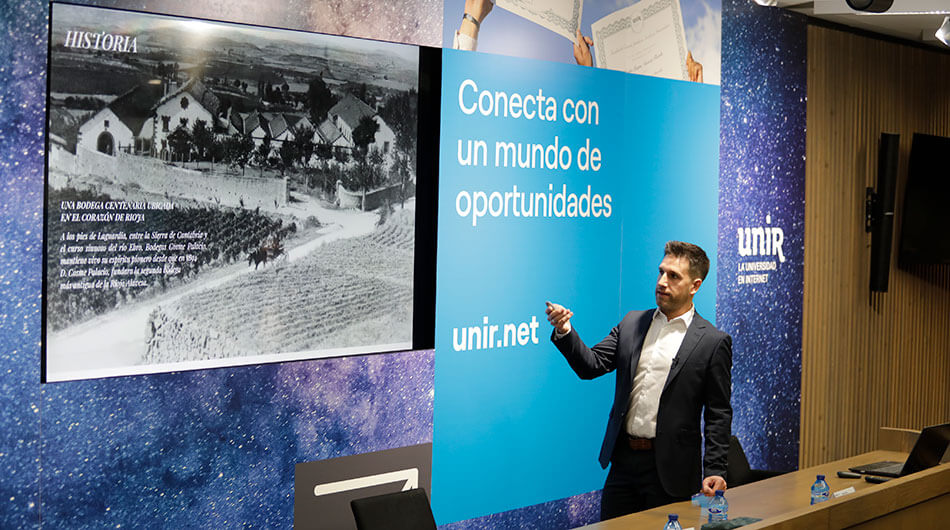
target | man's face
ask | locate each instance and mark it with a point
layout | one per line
(674, 287)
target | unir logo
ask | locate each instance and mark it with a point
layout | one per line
(762, 240)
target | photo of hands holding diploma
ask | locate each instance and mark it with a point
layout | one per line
(646, 38)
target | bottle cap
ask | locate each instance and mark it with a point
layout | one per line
(674, 517)
(821, 477)
(720, 492)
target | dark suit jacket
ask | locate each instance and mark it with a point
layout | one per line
(699, 380)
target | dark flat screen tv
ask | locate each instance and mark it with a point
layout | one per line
(926, 211)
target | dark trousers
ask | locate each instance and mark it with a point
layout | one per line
(632, 484)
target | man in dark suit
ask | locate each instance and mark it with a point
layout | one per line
(672, 367)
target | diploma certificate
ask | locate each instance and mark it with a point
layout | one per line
(646, 38)
(560, 16)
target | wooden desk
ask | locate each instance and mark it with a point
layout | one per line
(783, 502)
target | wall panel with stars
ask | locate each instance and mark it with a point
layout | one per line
(761, 225)
(214, 447)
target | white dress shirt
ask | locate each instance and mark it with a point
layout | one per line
(660, 345)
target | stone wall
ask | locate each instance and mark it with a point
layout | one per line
(374, 198)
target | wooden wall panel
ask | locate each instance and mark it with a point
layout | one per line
(867, 360)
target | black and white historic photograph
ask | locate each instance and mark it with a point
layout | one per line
(220, 194)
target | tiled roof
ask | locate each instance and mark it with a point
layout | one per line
(135, 106)
(328, 132)
(350, 109)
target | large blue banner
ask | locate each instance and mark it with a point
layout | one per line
(671, 157)
(556, 183)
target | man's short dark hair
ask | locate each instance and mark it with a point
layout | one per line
(698, 261)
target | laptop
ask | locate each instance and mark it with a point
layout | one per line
(927, 452)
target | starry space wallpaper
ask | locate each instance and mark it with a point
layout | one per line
(762, 192)
(206, 448)
(218, 447)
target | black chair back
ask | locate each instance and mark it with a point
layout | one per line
(738, 470)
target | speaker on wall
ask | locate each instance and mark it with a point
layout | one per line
(880, 211)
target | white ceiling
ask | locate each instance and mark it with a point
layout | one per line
(912, 20)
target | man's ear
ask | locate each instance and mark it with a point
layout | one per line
(695, 286)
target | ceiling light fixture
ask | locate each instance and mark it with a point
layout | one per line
(767, 3)
(943, 34)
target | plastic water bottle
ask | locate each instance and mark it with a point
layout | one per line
(819, 490)
(718, 507)
(673, 523)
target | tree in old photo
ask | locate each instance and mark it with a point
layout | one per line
(262, 154)
(287, 155)
(303, 139)
(202, 137)
(238, 150)
(180, 142)
(364, 134)
(319, 100)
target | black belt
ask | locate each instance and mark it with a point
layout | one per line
(639, 444)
